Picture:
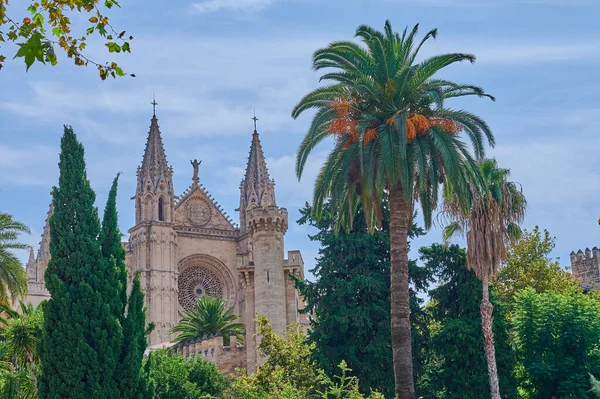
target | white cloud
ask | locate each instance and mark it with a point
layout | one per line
(527, 53)
(208, 6)
(21, 166)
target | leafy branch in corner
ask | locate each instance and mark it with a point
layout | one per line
(47, 27)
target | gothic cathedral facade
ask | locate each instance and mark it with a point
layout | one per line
(186, 246)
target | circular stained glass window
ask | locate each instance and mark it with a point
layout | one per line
(196, 282)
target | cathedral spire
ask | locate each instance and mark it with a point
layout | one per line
(31, 260)
(155, 168)
(44, 251)
(257, 188)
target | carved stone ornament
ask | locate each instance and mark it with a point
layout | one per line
(196, 282)
(198, 211)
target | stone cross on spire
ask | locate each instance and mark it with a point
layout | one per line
(154, 168)
(154, 104)
(254, 119)
(257, 188)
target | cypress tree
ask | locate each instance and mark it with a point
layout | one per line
(114, 253)
(131, 382)
(80, 332)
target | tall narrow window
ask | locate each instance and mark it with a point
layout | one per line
(161, 211)
(148, 208)
(138, 210)
(267, 276)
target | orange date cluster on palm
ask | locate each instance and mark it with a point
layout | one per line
(346, 123)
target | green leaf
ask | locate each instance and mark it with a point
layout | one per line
(125, 47)
(31, 50)
(38, 19)
(101, 29)
(119, 71)
(113, 47)
(58, 32)
(32, 9)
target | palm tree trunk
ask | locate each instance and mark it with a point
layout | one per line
(487, 310)
(400, 221)
(33, 376)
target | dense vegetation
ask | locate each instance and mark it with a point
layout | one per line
(382, 325)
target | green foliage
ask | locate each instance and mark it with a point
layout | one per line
(114, 253)
(377, 88)
(13, 279)
(490, 216)
(16, 383)
(43, 27)
(528, 264)
(130, 313)
(175, 377)
(456, 363)
(288, 360)
(209, 316)
(290, 373)
(380, 96)
(557, 338)
(133, 382)
(595, 386)
(350, 299)
(81, 339)
(346, 388)
(19, 333)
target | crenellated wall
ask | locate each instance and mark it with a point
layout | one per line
(227, 358)
(585, 267)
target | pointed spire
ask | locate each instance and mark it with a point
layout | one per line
(44, 251)
(31, 266)
(155, 167)
(257, 188)
(31, 260)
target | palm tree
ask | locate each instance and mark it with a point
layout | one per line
(394, 135)
(13, 278)
(209, 316)
(490, 217)
(19, 333)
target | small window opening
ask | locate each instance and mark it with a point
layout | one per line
(268, 276)
(161, 213)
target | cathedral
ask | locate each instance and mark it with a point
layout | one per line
(185, 246)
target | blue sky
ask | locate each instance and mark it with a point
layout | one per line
(212, 62)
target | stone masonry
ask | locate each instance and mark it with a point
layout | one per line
(585, 267)
(186, 247)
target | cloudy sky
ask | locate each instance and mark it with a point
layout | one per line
(211, 62)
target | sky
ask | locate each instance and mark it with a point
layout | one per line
(211, 63)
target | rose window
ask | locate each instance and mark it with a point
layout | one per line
(195, 282)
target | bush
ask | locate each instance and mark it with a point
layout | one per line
(175, 377)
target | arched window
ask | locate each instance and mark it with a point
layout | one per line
(161, 209)
(138, 210)
(148, 208)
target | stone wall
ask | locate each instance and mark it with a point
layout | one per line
(227, 358)
(585, 267)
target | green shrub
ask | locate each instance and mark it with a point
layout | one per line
(175, 377)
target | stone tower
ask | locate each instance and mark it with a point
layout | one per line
(586, 268)
(36, 266)
(153, 240)
(265, 224)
